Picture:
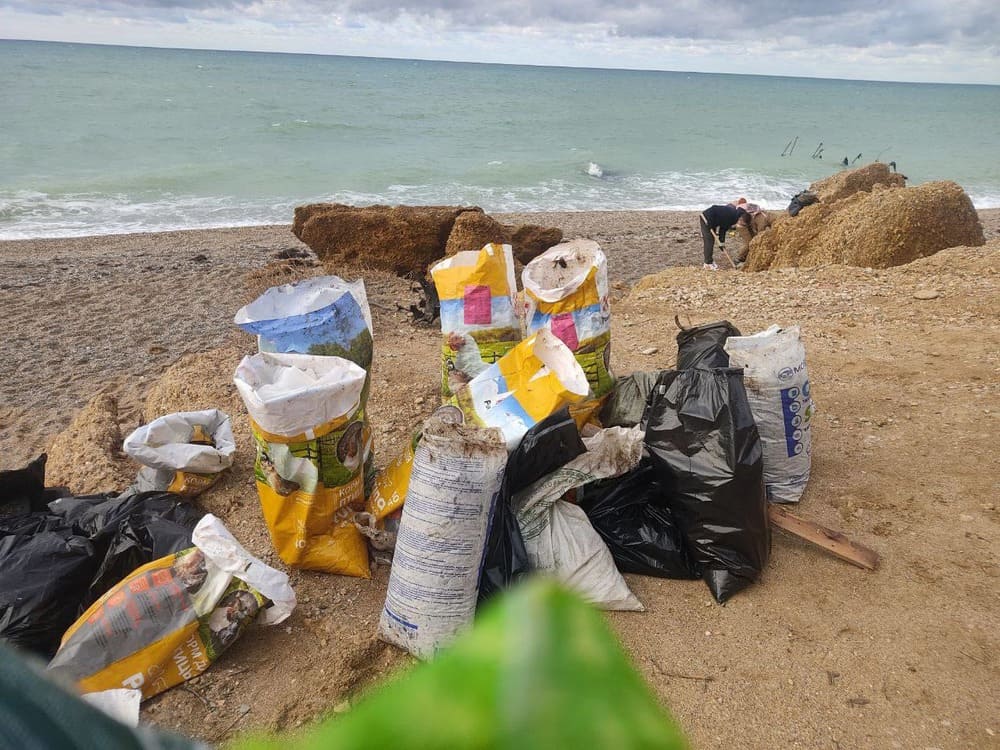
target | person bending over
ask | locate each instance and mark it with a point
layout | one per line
(718, 219)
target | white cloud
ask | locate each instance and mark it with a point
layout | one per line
(907, 40)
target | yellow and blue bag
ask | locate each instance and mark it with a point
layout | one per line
(479, 321)
(566, 291)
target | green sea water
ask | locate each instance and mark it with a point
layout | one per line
(99, 139)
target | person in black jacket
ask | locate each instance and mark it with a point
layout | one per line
(718, 219)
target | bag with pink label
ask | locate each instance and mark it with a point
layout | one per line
(566, 291)
(478, 316)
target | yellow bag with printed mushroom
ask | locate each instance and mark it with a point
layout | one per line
(312, 441)
(393, 481)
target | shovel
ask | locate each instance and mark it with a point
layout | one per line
(722, 247)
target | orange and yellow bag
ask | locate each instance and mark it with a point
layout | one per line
(171, 618)
(184, 453)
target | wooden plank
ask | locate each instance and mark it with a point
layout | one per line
(832, 541)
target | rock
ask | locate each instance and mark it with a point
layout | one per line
(530, 241)
(406, 240)
(926, 294)
(649, 350)
(472, 230)
(403, 240)
(878, 229)
(850, 181)
(290, 253)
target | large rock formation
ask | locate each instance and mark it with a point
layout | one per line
(885, 227)
(400, 239)
(405, 240)
(531, 240)
(472, 230)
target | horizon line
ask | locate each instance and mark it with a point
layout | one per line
(504, 64)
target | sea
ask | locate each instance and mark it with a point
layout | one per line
(107, 140)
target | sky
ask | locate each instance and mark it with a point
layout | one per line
(886, 40)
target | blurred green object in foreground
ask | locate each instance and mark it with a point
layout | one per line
(36, 713)
(539, 670)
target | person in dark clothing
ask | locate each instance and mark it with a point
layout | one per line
(718, 219)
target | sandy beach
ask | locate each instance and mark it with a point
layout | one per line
(113, 312)
(818, 655)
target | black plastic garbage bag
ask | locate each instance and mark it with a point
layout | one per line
(134, 530)
(54, 565)
(23, 490)
(702, 346)
(801, 200)
(547, 446)
(35, 712)
(44, 575)
(627, 401)
(633, 516)
(704, 445)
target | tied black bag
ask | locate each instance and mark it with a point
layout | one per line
(633, 517)
(705, 449)
(702, 346)
(547, 446)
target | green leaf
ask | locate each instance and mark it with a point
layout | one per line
(540, 669)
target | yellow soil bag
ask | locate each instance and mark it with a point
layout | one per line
(566, 291)
(170, 619)
(391, 483)
(537, 377)
(184, 453)
(312, 442)
(534, 379)
(479, 321)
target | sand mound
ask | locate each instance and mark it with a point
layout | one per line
(883, 228)
(205, 381)
(861, 180)
(531, 240)
(277, 273)
(86, 457)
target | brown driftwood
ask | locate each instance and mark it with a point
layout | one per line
(832, 541)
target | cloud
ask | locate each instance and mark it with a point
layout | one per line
(851, 23)
(894, 39)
